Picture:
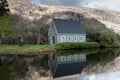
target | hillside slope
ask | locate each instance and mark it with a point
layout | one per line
(22, 11)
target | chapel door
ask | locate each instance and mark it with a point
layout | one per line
(53, 40)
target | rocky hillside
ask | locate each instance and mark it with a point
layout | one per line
(30, 14)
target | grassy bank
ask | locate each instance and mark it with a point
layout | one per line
(77, 45)
(25, 48)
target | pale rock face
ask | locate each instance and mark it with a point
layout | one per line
(35, 12)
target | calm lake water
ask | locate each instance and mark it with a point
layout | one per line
(97, 64)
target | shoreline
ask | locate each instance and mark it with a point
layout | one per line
(45, 49)
(41, 51)
(26, 49)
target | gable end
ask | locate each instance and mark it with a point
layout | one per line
(52, 28)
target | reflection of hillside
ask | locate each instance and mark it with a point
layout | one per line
(98, 68)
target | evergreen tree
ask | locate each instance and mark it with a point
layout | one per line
(5, 27)
(4, 7)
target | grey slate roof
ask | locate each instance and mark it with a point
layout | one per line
(69, 26)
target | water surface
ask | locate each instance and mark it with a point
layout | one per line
(98, 62)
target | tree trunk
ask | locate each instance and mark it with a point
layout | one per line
(38, 39)
(21, 41)
(0, 39)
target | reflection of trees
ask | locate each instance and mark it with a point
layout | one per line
(4, 71)
(109, 55)
(0, 61)
(94, 56)
(104, 56)
(81, 51)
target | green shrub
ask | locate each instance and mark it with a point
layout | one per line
(108, 38)
(98, 32)
(77, 45)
